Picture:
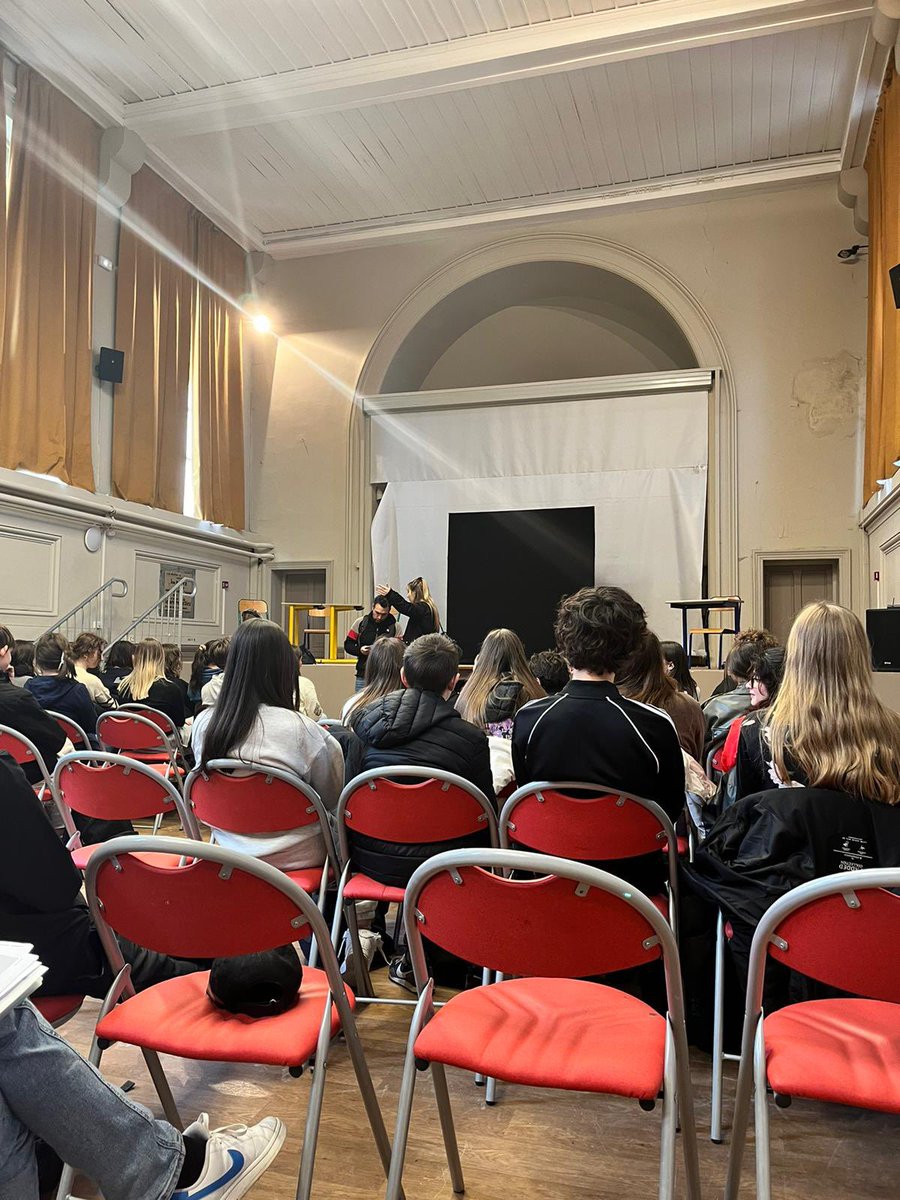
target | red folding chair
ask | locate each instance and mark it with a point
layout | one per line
(72, 730)
(251, 798)
(550, 1026)
(404, 805)
(144, 734)
(841, 930)
(219, 905)
(57, 1010)
(111, 787)
(23, 751)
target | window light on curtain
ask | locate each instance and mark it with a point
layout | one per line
(883, 380)
(47, 360)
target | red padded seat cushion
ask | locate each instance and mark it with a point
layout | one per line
(81, 856)
(308, 878)
(175, 1017)
(559, 1033)
(361, 887)
(54, 1008)
(839, 1051)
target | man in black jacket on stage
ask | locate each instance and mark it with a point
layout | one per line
(365, 632)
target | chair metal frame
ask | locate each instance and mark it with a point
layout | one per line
(308, 915)
(44, 790)
(677, 1089)
(307, 797)
(415, 775)
(68, 726)
(752, 1071)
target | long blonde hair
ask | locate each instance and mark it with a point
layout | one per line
(826, 719)
(502, 656)
(418, 593)
(149, 665)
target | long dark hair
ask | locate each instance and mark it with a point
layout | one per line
(674, 653)
(52, 655)
(644, 676)
(210, 654)
(261, 669)
(382, 677)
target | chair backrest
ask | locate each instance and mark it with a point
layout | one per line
(71, 729)
(412, 805)
(596, 823)
(132, 729)
(111, 787)
(573, 921)
(162, 720)
(23, 750)
(243, 797)
(841, 929)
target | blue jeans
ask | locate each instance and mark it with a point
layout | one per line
(48, 1091)
(360, 683)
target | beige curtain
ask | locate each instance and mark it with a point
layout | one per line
(45, 374)
(883, 381)
(3, 103)
(153, 327)
(217, 378)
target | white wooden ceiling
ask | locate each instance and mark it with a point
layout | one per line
(303, 125)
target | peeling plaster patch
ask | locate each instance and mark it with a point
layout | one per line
(830, 390)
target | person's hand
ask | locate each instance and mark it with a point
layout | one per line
(382, 589)
(364, 649)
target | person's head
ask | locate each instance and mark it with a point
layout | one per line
(826, 717)
(250, 614)
(382, 677)
(87, 650)
(149, 665)
(767, 675)
(644, 676)
(748, 645)
(598, 629)
(212, 655)
(380, 608)
(502, 656)
(260, 670)
(675, 661)
(120, 656)
(23, 657)
(173, 660)
(7, 642)
(550, 669)
(417, 592)
(52, 656)
(431, 664)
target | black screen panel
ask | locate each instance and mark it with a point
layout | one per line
(511, 569)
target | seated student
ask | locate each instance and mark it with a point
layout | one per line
(644, 679)
(20, 711)
(55, 687)
(592, 734)
(740, 752)
(255, 719)
(364, 633)
(147, 683)
(22, 662)
(49, 1093)
(307, 696)
(119, 663)
(678, 668)
(87, 650)
(174, 665)
(208, 665)
(419, 608)
(383, 665)
(550, 669)
(499, 685)
(723, 706)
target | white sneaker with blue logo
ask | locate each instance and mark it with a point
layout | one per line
(236, 1156)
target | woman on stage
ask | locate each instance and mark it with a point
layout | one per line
(418, 607)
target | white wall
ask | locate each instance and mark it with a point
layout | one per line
(792, 319)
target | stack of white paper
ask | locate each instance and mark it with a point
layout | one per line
(20, 973)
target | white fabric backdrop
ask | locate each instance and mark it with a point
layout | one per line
(640, 461)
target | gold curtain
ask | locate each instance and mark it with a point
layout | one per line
(883, 378)
(3, 61)
(46, 371)
(153, 327)
(217, 378)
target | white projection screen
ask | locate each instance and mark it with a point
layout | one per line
(640, 460)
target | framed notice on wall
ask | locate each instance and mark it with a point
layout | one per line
(169, 575)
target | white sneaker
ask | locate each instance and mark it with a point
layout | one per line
(235, 1158)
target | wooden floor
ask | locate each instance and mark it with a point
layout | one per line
(533, 1145)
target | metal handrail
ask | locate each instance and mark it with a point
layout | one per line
(165, 614)
(95, 605)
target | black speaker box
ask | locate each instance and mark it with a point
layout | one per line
(110, 365)
(895, 283)
(883, 628)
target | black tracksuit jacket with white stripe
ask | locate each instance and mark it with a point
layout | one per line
(590, 733)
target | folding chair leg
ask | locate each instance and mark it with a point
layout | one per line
(360, 966)
(404, 1114)
(715, 1117)
(157, 823)
(158, 1075)
(741, 1117)
(442, 1096)
(669, 1123)
(490, 1091)
(313, 946)
(761, 1118)
(685, 1112)
(367, 1090)
(314, 1109)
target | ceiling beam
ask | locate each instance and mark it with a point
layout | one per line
(695, 188)
(563, 45)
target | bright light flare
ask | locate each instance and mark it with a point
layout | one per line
(262, 324)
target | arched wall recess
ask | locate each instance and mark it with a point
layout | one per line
(654, 279)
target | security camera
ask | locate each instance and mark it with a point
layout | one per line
(851, 254)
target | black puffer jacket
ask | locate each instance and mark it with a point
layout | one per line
(416, 728)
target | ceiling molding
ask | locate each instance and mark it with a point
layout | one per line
(866, 91)
(561, 45)
(226, 220)
(683, 189)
